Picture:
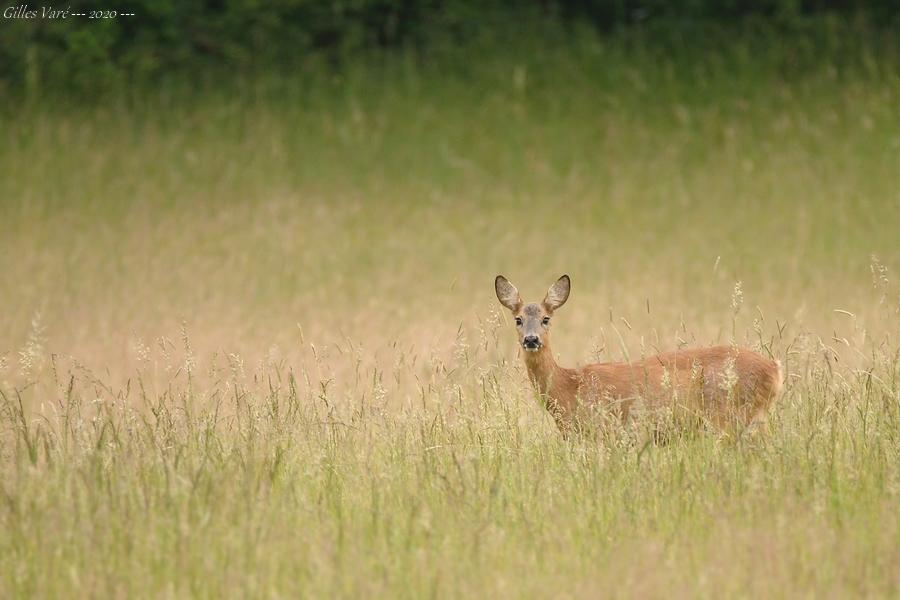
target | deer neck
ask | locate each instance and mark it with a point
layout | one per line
(553, 383)
(542, 369)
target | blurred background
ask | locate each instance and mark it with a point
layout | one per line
(260, 176)
(215, 38)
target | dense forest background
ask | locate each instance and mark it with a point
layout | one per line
(208, 38)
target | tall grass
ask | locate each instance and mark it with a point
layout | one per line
(435, 478)
(249, 344)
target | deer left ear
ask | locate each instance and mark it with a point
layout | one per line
(507, 293)
(558, 293)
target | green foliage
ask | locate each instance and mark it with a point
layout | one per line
(165, 37)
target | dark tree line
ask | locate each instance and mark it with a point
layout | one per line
(167, 36)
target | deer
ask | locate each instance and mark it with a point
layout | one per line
(729, 387)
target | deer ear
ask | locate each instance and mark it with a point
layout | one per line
(558, 293)
(507, 293)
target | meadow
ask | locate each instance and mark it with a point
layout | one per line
(249, 343)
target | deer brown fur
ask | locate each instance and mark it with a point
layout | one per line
(729, 387)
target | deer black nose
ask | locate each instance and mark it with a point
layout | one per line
(531, 341)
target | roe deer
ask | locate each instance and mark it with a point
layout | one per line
(728, 386)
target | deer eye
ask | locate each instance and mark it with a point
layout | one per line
(518, 321)
(546, 320)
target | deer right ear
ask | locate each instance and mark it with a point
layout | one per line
(558, 293)
(507, 293)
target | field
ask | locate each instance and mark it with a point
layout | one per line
(249, 343)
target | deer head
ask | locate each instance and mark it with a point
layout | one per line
(533, 319)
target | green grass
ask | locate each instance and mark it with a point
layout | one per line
(249, 344)
(462, 491)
